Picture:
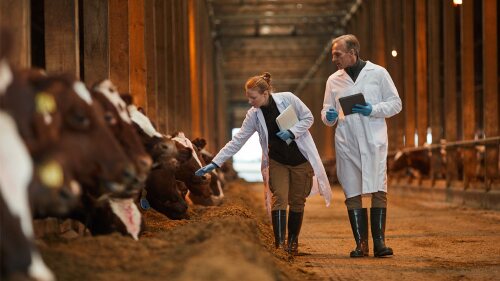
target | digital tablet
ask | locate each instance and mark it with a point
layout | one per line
(347, 103)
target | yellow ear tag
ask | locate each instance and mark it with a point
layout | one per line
(45, 103)
(51, 174)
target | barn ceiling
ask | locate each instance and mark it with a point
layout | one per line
(283, 37)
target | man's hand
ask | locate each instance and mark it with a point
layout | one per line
(362, 109)
(207, 169)
(331, 114)
(284, 135)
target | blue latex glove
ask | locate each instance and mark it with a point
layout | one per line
(331, 114)
(284, 135)
(207, 169)
(362, 109)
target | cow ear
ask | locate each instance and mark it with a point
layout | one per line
(184, 154)
(199, 142)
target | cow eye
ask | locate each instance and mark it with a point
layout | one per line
(79, 120)
(110, 118)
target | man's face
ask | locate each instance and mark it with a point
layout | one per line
(342, 57)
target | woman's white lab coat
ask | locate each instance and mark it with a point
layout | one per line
(361, 141)
(255, 122)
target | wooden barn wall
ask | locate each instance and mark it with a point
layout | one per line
(446, 72)
(161, 52)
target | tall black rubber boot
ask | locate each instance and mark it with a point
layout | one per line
(359, 224)
(279, 227)
(294, 225)
(377, 218)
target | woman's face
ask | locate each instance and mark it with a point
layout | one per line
(256, 99)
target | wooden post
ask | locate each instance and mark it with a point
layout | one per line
(194, 68)
(435, 89)
(15, 15)
(96, 44)
(377, 42)
(151, 59)
(421, 63)
(137, 52)
(467, 77)
(450, 88)
(62, 40)
(161, 16)
(119, 61)
(409, 71)
(490, 83)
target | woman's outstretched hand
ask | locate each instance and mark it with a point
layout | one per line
(207, 169)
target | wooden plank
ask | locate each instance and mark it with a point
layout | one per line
(62, 36)
(435, 89)
(450, 87)
(409, 71)
(151, 59)
(137, 52)
(185, 66)
(96, 43)
(119, 61)
(15, 15)
(490, 84)
(160, 37)
(467, 78)
(421, 64)
(194, 68)
(377, 40)
(398, 71)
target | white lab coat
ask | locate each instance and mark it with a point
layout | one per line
(255, 122)
(361, 141)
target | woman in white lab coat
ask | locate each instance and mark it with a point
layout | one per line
(290, 172)
(361, 139)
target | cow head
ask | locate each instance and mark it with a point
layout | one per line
(120, 123)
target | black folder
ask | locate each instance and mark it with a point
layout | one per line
(348, 102)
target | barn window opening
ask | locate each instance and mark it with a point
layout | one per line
(247, 161)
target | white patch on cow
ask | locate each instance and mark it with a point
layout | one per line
(143, 122)
(75, 187)
(398, 154)
(5, 76)
(109, 90)
(16, 171)
(82, 92)
(38, 270)
(181, 138)
(128, 213)
(47, 118)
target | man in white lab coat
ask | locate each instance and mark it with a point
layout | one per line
(361, 139)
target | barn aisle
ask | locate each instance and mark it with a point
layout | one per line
(431, 241)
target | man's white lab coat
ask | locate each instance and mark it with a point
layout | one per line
(361, 141)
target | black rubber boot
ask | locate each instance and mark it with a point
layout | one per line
(377, 219)
(279, 227)
(359, 224)
(294, 225)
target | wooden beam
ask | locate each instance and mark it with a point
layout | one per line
(151, 59)
(421, 74)
(96, 43)
(490, 84)
(119, 60)
(467, 78)
(62, 40)
(137, 52)
(161, 24)
(435, 88)
(409, 71)
(450, 87)
(15, 15)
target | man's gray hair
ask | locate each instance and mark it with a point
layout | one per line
(351, 42)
